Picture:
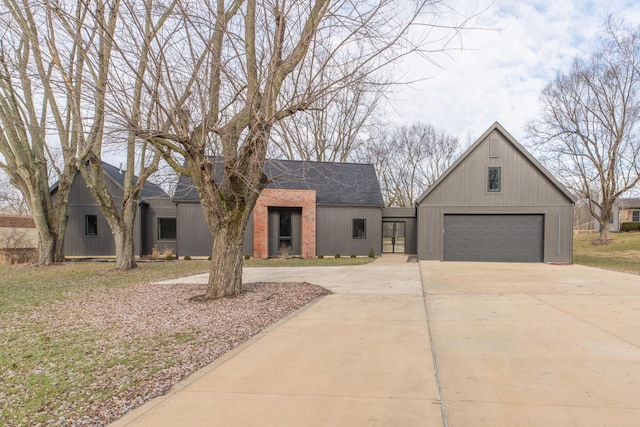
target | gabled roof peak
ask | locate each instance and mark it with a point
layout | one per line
(496, 126)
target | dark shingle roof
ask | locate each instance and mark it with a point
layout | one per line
(148, 191)
(351, 184)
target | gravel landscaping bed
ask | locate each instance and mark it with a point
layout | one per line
(106, 353)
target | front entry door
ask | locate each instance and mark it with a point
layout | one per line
(285, 226)
(393, 237)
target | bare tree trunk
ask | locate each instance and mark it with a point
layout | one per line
(225, 276)
(47, 248)
(604, 225)
(121, 219)
(123, 238)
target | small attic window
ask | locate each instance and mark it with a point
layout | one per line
(494, 179)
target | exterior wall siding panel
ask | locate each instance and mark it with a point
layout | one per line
(149, 214)
(336, 235)
(194, 237)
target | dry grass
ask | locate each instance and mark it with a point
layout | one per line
(621, 253)
(81, 344)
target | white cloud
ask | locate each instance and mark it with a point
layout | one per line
(500, 73)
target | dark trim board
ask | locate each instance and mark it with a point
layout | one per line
(494, 237)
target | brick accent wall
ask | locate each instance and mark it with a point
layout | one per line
(305, 199)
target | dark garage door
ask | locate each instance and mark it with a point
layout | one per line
(512, 238)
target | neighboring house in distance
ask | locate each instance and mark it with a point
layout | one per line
(629, 210)
(18, 239)
(496, 203)
(18, 231)
(625, 209)
(88, 233)
(308, 209)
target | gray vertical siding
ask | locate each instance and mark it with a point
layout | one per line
(247, 243)
(82, 203)
(525, 189)
(194, 236)
(334, 231)
(156, 208)
(75, 241)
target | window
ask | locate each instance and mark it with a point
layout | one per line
(91, 225)
(635, 216)
(285, 237)
(359, 230)
(167, 229)
(493, 184)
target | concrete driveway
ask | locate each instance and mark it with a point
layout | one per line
(535, 344)
(360, 356)
(514, 345)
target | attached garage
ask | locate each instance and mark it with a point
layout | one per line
(496, 203)
(499, 238)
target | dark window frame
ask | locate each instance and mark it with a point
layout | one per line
(91, 227)
(492, 186)
(161, 238)
(635, 216)
(355, 228)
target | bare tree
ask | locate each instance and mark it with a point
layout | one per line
(11, 199)
(590, 124)
(335, 128)
(111, 43)
(230, 70)
(408, 159)
(70, 64)
(32, 112)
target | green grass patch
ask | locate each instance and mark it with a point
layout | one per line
(622, 253)
(312, 262)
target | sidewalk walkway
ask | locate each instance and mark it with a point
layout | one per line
(358, 357)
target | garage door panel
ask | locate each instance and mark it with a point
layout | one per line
(510, 238)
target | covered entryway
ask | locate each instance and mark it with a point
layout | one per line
(285, 226)
(393, 237)
(511, 238)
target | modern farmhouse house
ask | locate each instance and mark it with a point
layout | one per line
(495, 203)
(308, 209)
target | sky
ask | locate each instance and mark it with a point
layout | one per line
(500, 72)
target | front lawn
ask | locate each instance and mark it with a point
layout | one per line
(621, 254)
(81, 343)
